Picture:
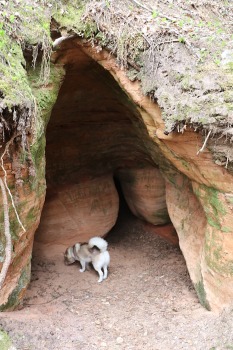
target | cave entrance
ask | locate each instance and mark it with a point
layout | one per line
(96, 139)
(101, 180)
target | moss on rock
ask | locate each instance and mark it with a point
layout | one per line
(212, 205)
(200, 290)
(5, 342)
(15, 296)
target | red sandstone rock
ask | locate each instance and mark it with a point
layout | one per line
(74, 213)
(144, 191)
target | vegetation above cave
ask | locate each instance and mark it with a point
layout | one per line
(180, 51)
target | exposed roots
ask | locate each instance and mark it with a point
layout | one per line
(6, 186)
(45, 63)
(8, 245)
(205, 142)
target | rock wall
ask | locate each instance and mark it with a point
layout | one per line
(144, 191)
(24, 163)
(202, 218)
(28, 193)
(75, 213)
(190, 222)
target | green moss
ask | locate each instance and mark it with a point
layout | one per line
(14, 228)
(31, 215)
(214, 210)
(200, 290)
(13, 79)
(214, 200)
(212, 222)
(38, 151)
(214, 253)
(197, 192)
(34, 22)
(72, 20)
(45, 95)
(33, 28)
(14, 298)
(226, 229)
(5, 342)
(212, 205)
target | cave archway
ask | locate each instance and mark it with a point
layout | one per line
(102, 127)
(96, 134)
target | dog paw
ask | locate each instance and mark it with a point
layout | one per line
(100, 280)
(81, 270)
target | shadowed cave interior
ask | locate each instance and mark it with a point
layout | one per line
(99, 157)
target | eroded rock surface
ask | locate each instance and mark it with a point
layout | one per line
(29, 193)
(75, 213)
(144, 191)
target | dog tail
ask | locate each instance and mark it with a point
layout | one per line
(98, 242)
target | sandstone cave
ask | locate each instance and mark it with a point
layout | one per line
(96, 134)
(116, 120)
(102, 127)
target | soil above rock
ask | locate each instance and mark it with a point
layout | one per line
(147, 302)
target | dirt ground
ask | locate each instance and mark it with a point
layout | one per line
(147, 302)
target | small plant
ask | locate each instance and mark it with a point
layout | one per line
(12, 18)
(181, 40)
(154, 14)
(181, 23)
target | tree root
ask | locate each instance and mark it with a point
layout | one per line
(8, 245)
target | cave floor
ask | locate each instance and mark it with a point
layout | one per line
(147, 302)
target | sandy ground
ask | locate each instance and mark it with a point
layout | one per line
(147, 302)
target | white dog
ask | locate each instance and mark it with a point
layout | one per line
(95, 251)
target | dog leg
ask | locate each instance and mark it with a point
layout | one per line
(105, 272)
(100, 275)
(83, 265)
